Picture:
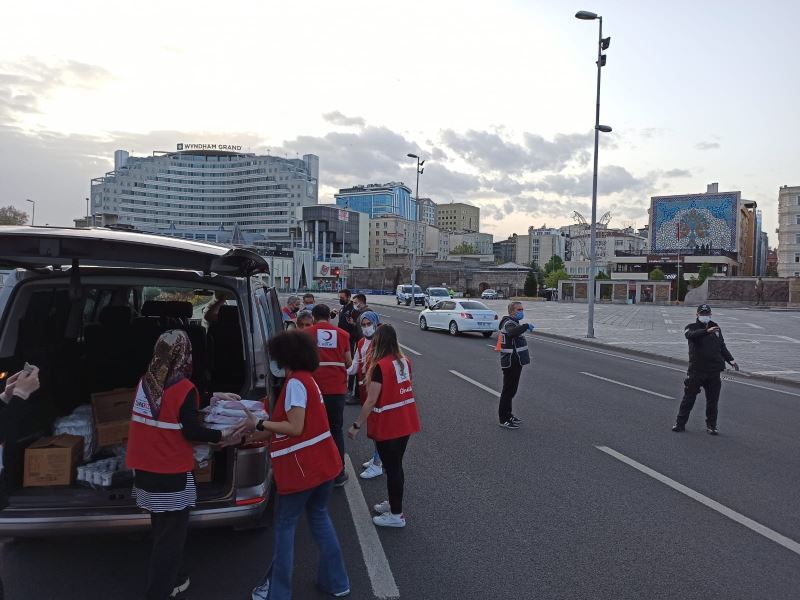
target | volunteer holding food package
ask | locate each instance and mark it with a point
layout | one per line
(164, 423)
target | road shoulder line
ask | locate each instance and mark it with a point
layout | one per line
(760, 529)
(378, 569)
(627, 385)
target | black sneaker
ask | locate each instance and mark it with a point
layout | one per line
(341, 480)
(677, 428)
(712, 431)
(516, 419)
(510, 424)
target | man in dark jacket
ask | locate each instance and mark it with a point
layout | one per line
(513, 355)
(707, 357)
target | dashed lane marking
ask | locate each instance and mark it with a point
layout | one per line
(407, 349)
(378, 569)
(760, 529)
(753, 325)
(627, 385)
(476, 383)
(412, 323)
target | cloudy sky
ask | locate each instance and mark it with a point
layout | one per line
(499, 96)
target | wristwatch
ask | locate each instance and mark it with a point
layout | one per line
(356, 425)
(260, 425)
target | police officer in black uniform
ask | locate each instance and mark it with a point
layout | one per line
(513, 356)
(707, 357)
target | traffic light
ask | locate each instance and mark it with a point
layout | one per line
(336, 271)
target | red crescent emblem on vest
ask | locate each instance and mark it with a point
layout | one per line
(329, 334)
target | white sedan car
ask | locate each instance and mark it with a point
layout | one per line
(458, 315)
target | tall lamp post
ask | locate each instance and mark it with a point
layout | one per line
(414, 235)
(33, 210)
(602, 44)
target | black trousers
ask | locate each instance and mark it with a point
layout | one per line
(166, 558)
(511, 377)
(712, 385)
(391, 453)
(334, 405)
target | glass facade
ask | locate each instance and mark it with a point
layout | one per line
(379, 200)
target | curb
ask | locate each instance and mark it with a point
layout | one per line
(743, 375)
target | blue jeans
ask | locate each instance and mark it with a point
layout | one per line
(331, 574)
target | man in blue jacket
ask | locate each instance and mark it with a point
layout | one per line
(707, 357)
(513, 355)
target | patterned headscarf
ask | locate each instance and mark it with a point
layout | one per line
(171, 362)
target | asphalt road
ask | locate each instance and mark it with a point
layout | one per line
(540, 512)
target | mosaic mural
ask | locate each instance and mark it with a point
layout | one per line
(704, 221)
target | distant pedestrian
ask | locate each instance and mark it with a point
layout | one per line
(289, 312)
(304, 463)
(309, 302)
(707, 357)
(390, 413)
(304, 319)
(759, 290)
(370, 321)
(513, 356)
(333, 347)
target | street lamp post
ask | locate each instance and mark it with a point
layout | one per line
(414, 234)
(33, 210)
(602, 44)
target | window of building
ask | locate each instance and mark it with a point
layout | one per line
(798, 201)
(797, 219)
(797, 238)
(797, 257)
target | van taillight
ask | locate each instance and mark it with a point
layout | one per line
(250, 501)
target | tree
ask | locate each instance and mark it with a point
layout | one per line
(602, 275)
(554, 264)
(464, 249)
(705, 271)
(11, 216)
(531, 284)
(656, 275)
(553, 278)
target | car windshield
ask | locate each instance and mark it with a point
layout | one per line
(489, 291)
(470, 305)
(437, 292)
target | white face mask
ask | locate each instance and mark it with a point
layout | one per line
(368, 331)
(704, 319)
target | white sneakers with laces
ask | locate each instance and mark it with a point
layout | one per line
(385, 517)
(371, 472)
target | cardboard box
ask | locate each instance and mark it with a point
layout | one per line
(112, 415)
(52, 460)
(205, 473)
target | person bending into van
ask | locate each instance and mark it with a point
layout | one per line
(305, 461)
(390, 413)
(370, 321)
(333, 347)
(164, 424)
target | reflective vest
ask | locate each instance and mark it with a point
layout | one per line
(156, 444)
(303, 462)
(395, 413)
(511, 347)
(332, 344)
(362, 347)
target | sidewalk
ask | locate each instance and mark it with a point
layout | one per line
(765, 343)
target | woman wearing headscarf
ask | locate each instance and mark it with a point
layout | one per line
(164, 424)
(369, 322)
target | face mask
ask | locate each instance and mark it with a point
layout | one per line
(276, 370)
(357, 306)
(704, 319)
(368, 331)
(309, 306)
(342, 301)
(519, 315)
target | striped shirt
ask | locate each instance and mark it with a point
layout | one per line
(167, 501)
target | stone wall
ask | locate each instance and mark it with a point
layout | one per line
(742, 289)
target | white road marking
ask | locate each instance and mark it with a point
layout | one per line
(775, 372)
(407, 349)
(668, 321)
(627, 385)
(412, 323)
(475, 383)
(378, 569)
(753, 325)
(788, 339)
(768, 533)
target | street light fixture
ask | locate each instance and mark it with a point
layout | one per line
(602, 44)
(33, 211)
(416, 217)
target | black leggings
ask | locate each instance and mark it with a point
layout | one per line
(391, 453)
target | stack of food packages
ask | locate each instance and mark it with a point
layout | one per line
(106, 472)
(222, 414)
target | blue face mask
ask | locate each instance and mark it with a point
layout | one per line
(519, 315)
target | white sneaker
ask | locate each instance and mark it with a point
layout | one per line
(389, 520)
(371, 472)
(367, 464)
(382, 508)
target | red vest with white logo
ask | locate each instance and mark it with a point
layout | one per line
(395, 414)
(303, 462)
(362, 347)
(157, 444)
(332, 344)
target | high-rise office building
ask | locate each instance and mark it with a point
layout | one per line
(458, 216)
(205, 187)
(379, 199)
(789, 231)
(427, 211)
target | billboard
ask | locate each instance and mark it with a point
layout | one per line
(700, 222)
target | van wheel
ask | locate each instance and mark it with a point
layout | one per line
(423, 324)
(486, 333)
(398, 301)
(453, 329)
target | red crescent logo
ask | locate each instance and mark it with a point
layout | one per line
(329, 334)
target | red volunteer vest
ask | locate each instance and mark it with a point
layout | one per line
(158, 445)
(310, 459)
(362, 347)
(395, 414)
(332, 344)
